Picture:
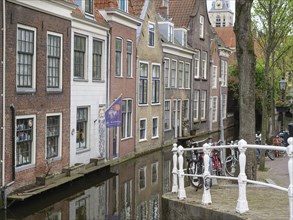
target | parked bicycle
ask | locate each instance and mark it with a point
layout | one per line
(216, 164)
(232, 161)
(268, 153)
(195, 164)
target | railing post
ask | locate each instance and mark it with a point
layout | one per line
(206, 197)
(181, 190)
(290, 169)
(242, 205)
(174, 170)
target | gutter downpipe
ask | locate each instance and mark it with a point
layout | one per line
(3, 95)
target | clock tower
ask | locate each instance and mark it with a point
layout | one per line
(220, 14)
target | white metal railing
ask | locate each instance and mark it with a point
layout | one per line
(242, 204)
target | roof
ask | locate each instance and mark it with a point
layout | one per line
(106, 4)
(179, 12)
(137, 6)
(227, 35)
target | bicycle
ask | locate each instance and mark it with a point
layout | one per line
(232, 161)
(195, 165)
(216, 164)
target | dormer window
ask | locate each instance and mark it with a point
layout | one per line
(180, 35)
(151, 34)
(123, 5)
(170, 33)
(89, 6)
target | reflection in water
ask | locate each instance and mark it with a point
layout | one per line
(134, 192)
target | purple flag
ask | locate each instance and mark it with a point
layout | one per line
(113, 114)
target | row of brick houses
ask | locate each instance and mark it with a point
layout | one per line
(66, 61)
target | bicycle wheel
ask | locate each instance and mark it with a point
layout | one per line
(194, 167)
(231, 166)
(219, 167)
(271, 154)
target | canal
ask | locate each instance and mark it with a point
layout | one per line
(129, 190)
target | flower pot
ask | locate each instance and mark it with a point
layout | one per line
(282, 108)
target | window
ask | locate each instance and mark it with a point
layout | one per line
(81, 128)
(224, 72)
(214, 108)
(155, 172)
(155, 128)
(224, 21)
(79, 56)
(156, 84)
(218, 21)
(53, 136)
(151, 35)
(170, 33)
(129, 59)
(142, 178)
(186, 109)
(196, 64)
(97, 60)
(204, 65)
(167, 115)
(167, 73)
(214, 77)
(89, 6)
(201, 28)
(196, 105)
(224, 106)
(26, 58)
(187, 76)
(173, 73)
(180, 75)
(81, 208)
(143, 83)
(126, 118)
(54, 62)
(118, 57)
(203, 104)
(123, 5)
(154, 207)
(24, 141)
(142, 129)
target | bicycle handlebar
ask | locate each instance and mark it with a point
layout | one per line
(197, 142)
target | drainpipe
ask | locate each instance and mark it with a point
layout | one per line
(12, 109)
(3, 95)
(108, 75)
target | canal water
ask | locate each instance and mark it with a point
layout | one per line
(131, 190)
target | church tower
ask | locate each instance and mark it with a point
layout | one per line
(220, 14)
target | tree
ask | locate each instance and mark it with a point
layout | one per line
(272, 23)
(246, 66)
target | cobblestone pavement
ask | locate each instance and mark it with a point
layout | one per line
(263, 202)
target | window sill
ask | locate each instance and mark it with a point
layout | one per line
(143, 105)
(54, 91)
(80, 80)
(80, 151)
(156, 104)
(98, 81)
(127, 138)
(142, 140)
(24, 167)
(155, 137)
(25, 91)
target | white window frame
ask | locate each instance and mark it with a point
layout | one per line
(180, 75)
(92, 8)
(196, 64)
(187, 109)
(156, 165)
(171, 32)
(60, 62)
(186, 77)
(125, 126)
(145, 134)
(201, 26)
(224, 73)
(169, 107)
(157, 129)
(60, 135)
(121, 58)
(196, 101)
(167, 73)
(224, 106)
(87, 140)
(31, 88)
(141, 101)
(214, 108)
(156, 80)
(33, 144)
(151, 33)
(203, 104)
(102, 57)
(120, 4)
(204, 60)
(129, 75)
(84, 77)
(214, 79)
(173, 74)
